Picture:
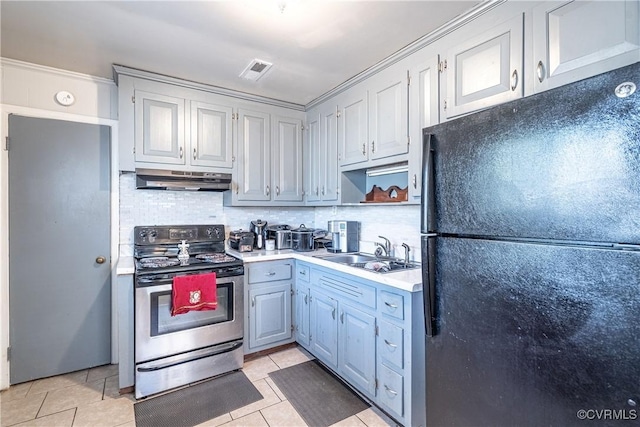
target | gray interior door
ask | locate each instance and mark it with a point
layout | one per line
(60, 291)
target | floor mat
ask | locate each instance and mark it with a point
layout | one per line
(198, 403)
(319, 397)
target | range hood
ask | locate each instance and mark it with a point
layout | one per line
(156, 179)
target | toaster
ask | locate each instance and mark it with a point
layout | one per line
(241, 240)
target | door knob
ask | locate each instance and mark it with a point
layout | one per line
(101, 260)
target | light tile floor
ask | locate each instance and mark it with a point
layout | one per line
(91, 398)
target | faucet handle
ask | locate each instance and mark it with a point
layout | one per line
(407, 249)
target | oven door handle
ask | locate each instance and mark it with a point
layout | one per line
(224, 348)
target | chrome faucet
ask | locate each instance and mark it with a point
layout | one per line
(407, 249)
(383, 248)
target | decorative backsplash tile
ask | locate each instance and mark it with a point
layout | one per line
(400, 224)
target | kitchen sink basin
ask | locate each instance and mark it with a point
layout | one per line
(370, 262)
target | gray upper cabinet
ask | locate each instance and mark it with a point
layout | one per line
(211, 135)
(485, 70)
(388, 111)
(322, 157)
(423, 101)
(576, 40)
(254, 156)
(159, 128)
(353, 127)
(269, 166)
(287, 159)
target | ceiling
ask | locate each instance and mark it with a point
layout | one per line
(314, 45)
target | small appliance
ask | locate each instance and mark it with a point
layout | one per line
(241, 240)
(259, 229)
(281, 234)
(345, 236)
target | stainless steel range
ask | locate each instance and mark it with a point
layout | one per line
(171, 351)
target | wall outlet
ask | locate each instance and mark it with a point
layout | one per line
(334, 210)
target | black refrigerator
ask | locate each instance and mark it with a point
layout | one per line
(531, 259)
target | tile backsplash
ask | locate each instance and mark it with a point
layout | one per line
(400, 224)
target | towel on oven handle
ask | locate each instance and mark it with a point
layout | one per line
(193, 292)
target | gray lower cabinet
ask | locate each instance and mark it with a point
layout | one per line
(369, 334)
(268, 304)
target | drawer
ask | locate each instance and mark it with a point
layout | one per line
(391, 345)
(391, 393)
(392, 305)
(270, 271)
(303, 273)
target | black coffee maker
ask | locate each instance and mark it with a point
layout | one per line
(259, 229)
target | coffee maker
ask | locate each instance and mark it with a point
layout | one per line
(259, 229)
(345, 236)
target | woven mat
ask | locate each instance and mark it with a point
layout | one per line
(198, 403)
(318, 396)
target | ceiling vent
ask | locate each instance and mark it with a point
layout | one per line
(256, 69)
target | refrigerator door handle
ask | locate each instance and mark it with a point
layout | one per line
(429, 284)
(428, 205)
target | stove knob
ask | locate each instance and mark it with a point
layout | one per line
(213, 232)
(143, 234)
(153, 233)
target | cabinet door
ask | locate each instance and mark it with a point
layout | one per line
(328, 154)
(269, 314)
(576, 40)
(353, 132)
(287, 159)
(210, 135)
(423, 97)
(486, 70)
(159, 128)
(313, 159)
(388, 110)
(324, 328)
(357, 348)
(254, 157)
(302, 317)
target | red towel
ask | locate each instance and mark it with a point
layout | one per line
(194, 292)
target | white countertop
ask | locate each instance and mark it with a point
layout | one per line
(125, 265)
(409, 280)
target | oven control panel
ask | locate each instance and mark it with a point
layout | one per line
(163, 234)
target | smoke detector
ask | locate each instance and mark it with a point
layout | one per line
(256, 69)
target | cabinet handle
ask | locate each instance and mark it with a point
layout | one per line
(277, 190)
(268, 191)
(271, 273)
(540, 71)
(373, 146)
(390, 344)
(305, 299)
(253, 302)
(194, 154)
(316, 191)
(333, 314)
(415, 181)
(386, 387)
(364, 149)
(514, 80)
(323, 190)
(303, 273)
(388, 304)
(181, 152)
(342, 317)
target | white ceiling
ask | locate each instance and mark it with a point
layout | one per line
(314, 45)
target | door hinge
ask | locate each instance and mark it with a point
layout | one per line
(375, 383)
(442, 66)
(133, 99)
(293, 328)
(8, 354)
(337, 112)
(377, 331)
(408, 78)
(445, 104)
(292, 293)
(408, 141)
(6, 144)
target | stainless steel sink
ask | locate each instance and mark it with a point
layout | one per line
(369, 262)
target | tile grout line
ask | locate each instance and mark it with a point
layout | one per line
(41, 404)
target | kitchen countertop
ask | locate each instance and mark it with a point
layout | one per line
(409, 280)
(125, 265)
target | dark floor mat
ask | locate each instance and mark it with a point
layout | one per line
(196, 404)
(319, 397)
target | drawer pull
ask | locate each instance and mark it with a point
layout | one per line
(388, 304)
(271, 273)
(386, 387)
(253, 302)
(333, 314)
(390, 344)
(342, 317)
(302, 273)
(305, 299)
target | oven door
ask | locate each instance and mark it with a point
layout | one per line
(158, 334)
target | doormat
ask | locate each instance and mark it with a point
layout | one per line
(318, 396)
(196, 404)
